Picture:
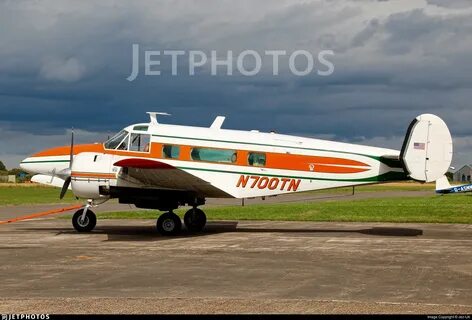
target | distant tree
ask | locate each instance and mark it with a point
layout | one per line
(16, 171)
(2, 166)
(21, 176)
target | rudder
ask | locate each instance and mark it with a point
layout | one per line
(426, 153)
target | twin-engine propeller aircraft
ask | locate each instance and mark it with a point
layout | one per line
(161, 166)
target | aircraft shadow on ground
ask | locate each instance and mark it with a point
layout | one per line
(149, 233)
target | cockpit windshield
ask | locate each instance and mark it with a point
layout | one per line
(116, 140)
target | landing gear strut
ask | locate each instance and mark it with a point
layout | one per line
(195, 220)
(169, 224)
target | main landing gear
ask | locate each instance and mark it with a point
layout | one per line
(169, 224)
(195, 220)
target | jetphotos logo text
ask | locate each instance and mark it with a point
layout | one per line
(246, 63)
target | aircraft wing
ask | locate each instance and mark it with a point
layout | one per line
(159, 175)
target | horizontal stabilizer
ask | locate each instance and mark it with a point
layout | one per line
(427, 149)
(442, 183)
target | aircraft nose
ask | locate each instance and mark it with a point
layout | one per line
(47, 162)
(29, 165)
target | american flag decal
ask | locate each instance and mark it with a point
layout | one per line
(419, 145)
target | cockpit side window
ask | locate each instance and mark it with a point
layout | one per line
(124, 144)
(119, 141)
(140, 142)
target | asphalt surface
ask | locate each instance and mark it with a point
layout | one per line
(236, 267)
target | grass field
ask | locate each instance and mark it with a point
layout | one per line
(434, 209)
(431, 209)
(17, 194)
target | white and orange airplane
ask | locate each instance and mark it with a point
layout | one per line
(161, 166)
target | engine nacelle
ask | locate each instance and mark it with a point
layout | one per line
(91, 174)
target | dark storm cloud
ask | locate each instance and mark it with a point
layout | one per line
(65, 65)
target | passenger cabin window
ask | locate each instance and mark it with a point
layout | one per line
(170, 151)
(256, 159)
(119, 141)
(140, 142)
(214, 155)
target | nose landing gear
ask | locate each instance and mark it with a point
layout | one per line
(84, 221)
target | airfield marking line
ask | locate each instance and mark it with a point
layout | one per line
(41, 214)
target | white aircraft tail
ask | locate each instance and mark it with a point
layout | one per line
(427, 149)
(442, 183)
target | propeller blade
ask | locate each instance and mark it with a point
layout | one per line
(66, 173)
(65, 187)
(71, 150)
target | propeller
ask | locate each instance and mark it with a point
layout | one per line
(67, 173)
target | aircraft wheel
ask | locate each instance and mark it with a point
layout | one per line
(195, 220)
(87, 224)
(169, 224)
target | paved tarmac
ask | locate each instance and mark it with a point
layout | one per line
(236, 267)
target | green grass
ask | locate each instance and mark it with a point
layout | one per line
(430, 209)
(407, 186)
(17, 194)
(31, 194)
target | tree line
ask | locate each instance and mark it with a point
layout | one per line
(20, 174)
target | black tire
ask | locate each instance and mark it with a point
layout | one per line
(90, 221)
(195, 220)
(169, 224)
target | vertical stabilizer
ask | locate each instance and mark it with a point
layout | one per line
(427, 149)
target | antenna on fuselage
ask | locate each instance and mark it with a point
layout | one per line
(153, 116)
(218, 122)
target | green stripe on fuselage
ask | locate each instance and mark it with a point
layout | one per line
(388, 176)
(45, 161)
(378, 158)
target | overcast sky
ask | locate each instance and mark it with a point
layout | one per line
(64, 64)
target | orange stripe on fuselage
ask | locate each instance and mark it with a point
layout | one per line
(98, 148)
(63, 151)
(313, 163)
(93, 175)
(285, 161)
(335, 169)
